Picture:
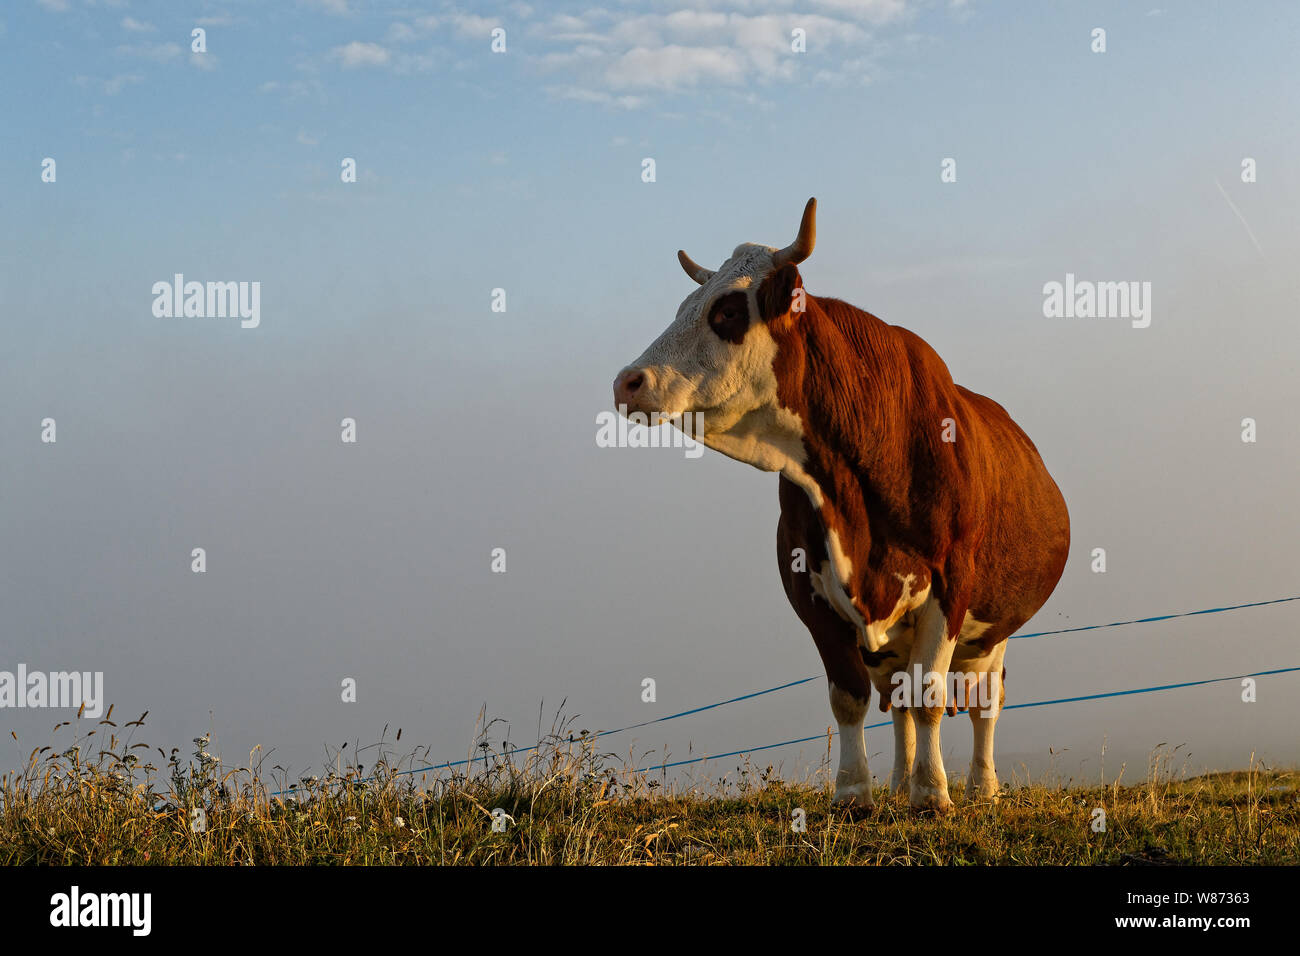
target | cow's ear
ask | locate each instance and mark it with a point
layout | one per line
(776, 293)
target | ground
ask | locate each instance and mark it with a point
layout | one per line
(567, 804)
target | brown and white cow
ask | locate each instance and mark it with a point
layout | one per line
(930, 529)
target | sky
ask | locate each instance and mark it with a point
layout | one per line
(523, 169)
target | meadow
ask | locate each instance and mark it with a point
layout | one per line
(98, 795)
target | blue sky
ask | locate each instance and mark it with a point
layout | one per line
(522, 170)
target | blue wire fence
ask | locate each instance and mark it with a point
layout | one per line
(822, 736)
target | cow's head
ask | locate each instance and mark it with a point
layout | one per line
(715, 359)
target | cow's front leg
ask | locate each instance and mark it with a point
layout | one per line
(853, 779)
(932, 651)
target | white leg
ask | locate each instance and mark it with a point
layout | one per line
(983, 780)
(933, 651)
(904, 750)
(853, 779)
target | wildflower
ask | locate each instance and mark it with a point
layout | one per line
(400, 822)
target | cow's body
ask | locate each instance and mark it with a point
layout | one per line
(919, 528)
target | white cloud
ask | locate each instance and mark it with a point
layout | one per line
(58, 6)
(136, 26)
(357, 54)
(291, 91)
(674, 67)
(471, 25)
(870, 11)
(336, 7)
(584, 95)
(622, 59)
(111, 86)
(158, 52)
(619, 59)
(407, 63)
(114, 85)
(400, 33)
(203, 61)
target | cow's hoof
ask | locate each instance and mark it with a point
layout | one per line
(855, 810)
(984, 795)
(933, 799)
(984, 790)
(901, 788)
(855, 798)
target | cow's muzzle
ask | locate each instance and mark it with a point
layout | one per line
(631, 388)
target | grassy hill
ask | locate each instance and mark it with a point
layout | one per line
(99, 801)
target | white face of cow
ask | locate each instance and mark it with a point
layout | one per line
(715, 355)
(715, 359)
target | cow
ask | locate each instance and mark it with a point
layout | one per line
(919, 527)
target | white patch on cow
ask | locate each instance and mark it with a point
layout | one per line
(893, 631)
(839, 560)
(768, 437)
(878, 634)
(826, 585)
(818, 581)
(831, 583)
(689, 368)
(971, 629)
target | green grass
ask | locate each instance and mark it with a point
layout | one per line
(100, 801)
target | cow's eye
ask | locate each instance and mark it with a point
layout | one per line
(729, 318)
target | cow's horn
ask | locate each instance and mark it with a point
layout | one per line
(694, 269)
(802, 247)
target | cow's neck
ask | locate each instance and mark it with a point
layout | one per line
(838, 416)
(845, 375)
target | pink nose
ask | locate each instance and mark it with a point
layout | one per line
(628, 386)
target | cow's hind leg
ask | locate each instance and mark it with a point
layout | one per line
(933, 651)
(904, 750)
(982, 783)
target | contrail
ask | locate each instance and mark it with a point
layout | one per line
(1234, 208)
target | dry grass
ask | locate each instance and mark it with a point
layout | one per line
(100, 801)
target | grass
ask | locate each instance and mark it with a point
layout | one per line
(101, 800)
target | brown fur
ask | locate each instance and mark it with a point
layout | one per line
(980, 519)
